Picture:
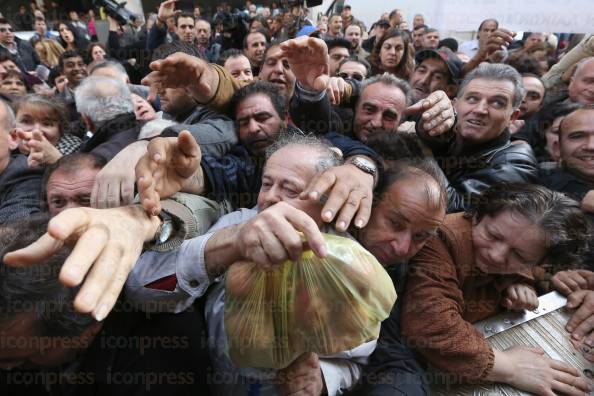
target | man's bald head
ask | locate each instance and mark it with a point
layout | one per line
(581, 86)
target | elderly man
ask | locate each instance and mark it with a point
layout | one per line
(20, 186)
(105, 105)
(477, 152)
(581, 86)
(114, 69)
(235, 237)
(214, 132)
(267, 236)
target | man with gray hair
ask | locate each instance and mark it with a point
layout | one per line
(383, 103)
(105, 105)
(477, 152)
(267, 235)
(113, 69)
(581, 86)
(20, 186)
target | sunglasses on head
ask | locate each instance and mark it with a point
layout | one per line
(355, 76)
(5, 29)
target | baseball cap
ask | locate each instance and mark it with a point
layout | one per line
(451, 60)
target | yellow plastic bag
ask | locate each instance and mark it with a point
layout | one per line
(313, 305)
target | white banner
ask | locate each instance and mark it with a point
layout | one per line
(563, 16)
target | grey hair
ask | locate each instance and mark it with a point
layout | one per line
(580, 65)
(390, 80)
(104, 64)
(10, 119)
(497, 72)
(103, 98)
(327, 158)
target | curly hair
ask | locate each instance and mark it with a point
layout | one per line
(567, 229)
(260, 88)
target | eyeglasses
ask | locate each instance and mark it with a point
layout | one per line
(4, 29)
(354, 76)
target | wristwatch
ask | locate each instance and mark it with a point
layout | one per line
(365, 165)
(165, 229)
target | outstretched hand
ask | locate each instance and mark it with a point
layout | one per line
(106, 244)
(309, 60)
(41, 151)
(497, 40)
(166, 167)
(180, 70)
(438, 114)
(167, 10)
(347, 195)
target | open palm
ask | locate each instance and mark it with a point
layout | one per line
(308, 57)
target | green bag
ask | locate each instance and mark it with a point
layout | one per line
(316, 305)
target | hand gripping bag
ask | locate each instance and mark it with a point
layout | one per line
(316, 305)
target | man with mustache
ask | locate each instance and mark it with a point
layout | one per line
(435, 70)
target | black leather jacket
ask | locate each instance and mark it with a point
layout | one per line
(471, 170)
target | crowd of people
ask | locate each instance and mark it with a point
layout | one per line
(134, 172)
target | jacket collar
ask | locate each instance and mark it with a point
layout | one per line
(481, 149)
(120, 123)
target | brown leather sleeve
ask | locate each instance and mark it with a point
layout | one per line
(432, 317)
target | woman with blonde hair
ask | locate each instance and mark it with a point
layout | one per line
(41, 130)
(49, 52)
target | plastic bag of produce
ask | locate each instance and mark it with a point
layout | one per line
(317, 305)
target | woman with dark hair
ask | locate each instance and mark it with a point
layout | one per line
(393, 54)
(480, 263)
(70, 38)
(14, 84)
(96, 51)
(259, 22)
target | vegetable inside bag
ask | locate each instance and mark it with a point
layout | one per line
(316, 305)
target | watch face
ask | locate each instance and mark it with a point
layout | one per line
(365, 164)
(166, 232)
